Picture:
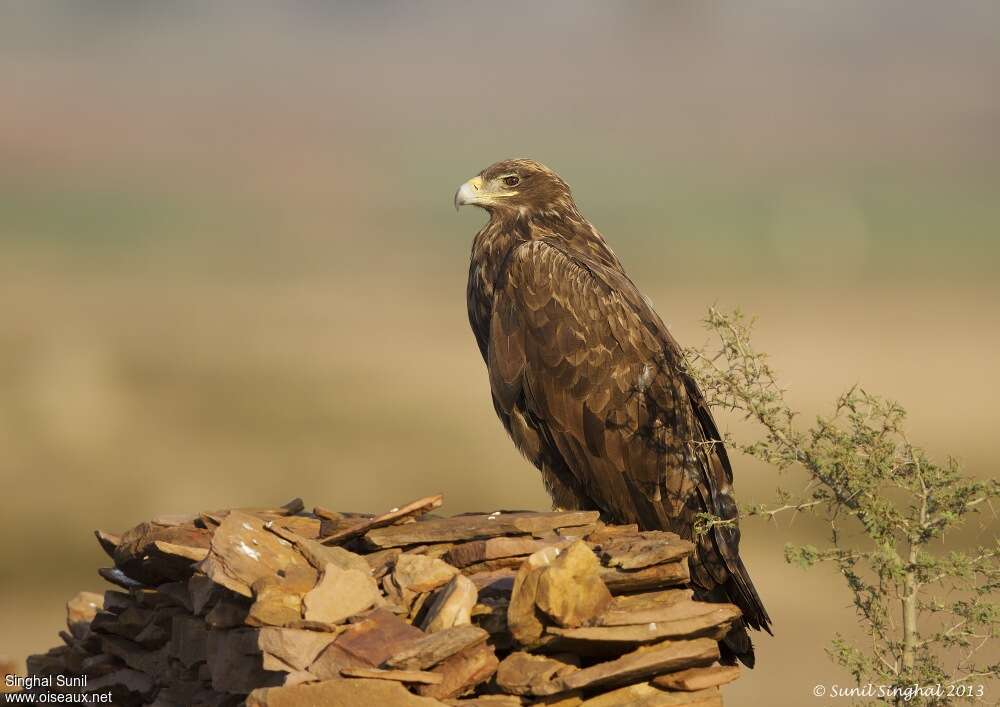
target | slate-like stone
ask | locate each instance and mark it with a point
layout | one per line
(570, 590)
(451, 605)
(346, 692)
(340, 594)
(430, 649)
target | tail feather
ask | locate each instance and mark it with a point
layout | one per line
(741, 592)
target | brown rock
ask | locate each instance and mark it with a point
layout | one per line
(134, 655)
(477, 551)
(177, 592)
(714, 620)
(203, 591)
(570, 591)
(332, 660)
(377, 637)
(498, 583)
(108, 542)
(411, 676)
(230, 611)
(462, 671)
(645, 608)
(306, 527)
(183, 552)
(235, 662)
(651, 548)
(431, 649)
(473, 527)
(451, 606)
(645, 695)
(418, 573)
(349, 692)
(694, 679)
(382, 560)
(604, 533)
(275, 604)
(188, 640)
(621, 581)
(410, 510)
(641, 664)
(523, 616)
(566, 699)
(138, 557)
(243, 553)
(319, 555)
(340, 594)
(296, 647)
(526, 674)
(129, 680)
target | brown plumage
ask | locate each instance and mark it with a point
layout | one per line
(588, 381)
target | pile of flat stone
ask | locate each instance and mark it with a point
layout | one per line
(281, 607)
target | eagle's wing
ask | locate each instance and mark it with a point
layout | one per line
(575, 348)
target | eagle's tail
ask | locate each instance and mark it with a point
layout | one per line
(739, 589)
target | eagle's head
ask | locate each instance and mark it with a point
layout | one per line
(516, 187)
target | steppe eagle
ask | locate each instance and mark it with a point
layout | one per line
(590, 385)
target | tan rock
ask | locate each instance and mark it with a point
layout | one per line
(395, 515)
(648, 549)
(378, 636)
(340, 594)
(274, 604)
(462, 671)
(694, 679)
(431, 649)
(295, 647)
(621, 581)
(472, 527)
(487, 701)
(348, 692)
(318, 555)
(641, 664)
(451, 605)
(332, 660)
(419, 573)
(570, 590)
(522, 673)
(242, 552)
(477, 551)
(409, 676)
(646, 695)
(523, 617)
(645, 608)
(713, 621)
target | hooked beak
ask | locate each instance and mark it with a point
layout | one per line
(469, 192)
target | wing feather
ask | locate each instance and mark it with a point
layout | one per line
(575, 346)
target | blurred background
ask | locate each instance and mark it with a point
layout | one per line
(231, 272)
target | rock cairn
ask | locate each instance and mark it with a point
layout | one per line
(279, 607)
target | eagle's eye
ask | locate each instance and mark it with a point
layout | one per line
(512, 181)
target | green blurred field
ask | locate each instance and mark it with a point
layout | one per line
(231, 273)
